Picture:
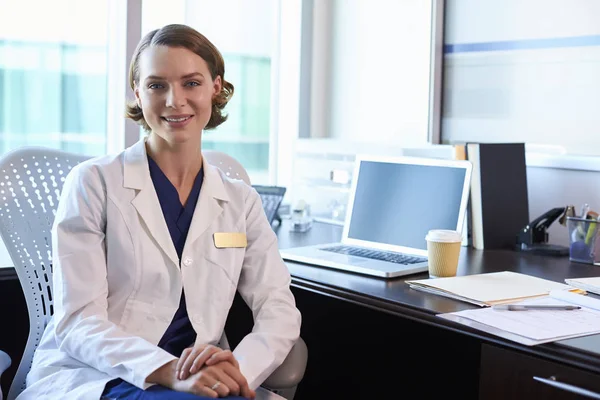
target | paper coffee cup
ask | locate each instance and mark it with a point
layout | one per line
(443, 250)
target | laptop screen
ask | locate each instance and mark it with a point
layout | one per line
(397, 204)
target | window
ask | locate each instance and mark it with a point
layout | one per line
(243, 31)
(53, 78)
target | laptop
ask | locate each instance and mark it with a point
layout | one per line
(393, 203)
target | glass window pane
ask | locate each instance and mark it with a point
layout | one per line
(53, 77)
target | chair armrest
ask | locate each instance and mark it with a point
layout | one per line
(291, 371)
(5, 362)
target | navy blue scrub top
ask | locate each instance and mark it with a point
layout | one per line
(180, 334)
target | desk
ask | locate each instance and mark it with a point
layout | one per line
(375, 338)
(413, 347)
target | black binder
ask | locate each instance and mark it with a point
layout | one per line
(499, 201)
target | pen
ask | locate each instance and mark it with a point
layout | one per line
(584, 210)
(515, 307)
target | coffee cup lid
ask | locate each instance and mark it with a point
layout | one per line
(443, 235)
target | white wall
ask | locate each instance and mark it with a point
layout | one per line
(379, 71)
(549, 187)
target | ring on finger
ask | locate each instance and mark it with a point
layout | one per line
(216, 385)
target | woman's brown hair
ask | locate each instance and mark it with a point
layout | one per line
(176, 35)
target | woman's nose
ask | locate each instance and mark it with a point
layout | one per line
(175, 98)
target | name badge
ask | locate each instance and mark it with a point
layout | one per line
(225, 240)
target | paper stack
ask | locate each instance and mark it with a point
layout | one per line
(539, 326)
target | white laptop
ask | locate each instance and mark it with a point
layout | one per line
(393, 203)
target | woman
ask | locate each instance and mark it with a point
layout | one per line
(150, 245)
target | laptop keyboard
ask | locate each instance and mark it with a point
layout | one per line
(389, 256)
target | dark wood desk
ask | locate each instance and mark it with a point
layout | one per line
(409, 351)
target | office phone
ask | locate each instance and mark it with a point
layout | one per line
(271, 197)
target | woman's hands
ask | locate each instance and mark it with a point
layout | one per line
(219, 380)
(210, 371)
(194, 358)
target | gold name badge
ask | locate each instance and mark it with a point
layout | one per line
(225, 240)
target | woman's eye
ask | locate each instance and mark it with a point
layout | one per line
(155, 86)
(193, 83)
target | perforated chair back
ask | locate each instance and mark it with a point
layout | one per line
(31, 179)
(226, 163)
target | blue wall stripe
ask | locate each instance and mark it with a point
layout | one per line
(526, 44)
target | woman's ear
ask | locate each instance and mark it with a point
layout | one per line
(217, 86)
(138, 101)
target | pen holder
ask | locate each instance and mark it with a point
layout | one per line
(583, 239)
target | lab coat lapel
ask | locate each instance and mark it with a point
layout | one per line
(136, 175)
(208, 207)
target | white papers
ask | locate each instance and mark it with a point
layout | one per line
(536, 326)
(591, 285)
(489, 289)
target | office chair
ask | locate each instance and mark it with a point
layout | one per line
(226, 163)
(30, 182)
(31, 179)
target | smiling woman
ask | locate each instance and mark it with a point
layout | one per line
(144, 317)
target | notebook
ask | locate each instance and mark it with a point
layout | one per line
(393, 203)
(491, 288)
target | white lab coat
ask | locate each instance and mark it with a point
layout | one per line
(118, 280)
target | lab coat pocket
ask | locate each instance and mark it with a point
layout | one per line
(146, 320)
(222, 269)
(229, 260)
(223, 278)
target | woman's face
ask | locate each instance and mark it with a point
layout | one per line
(175, 92)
